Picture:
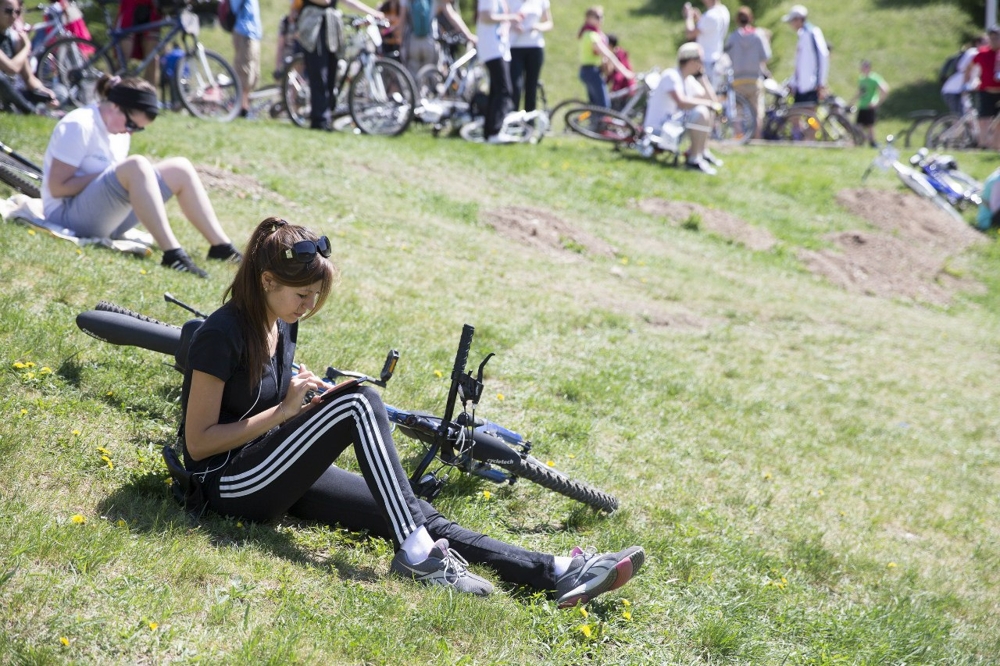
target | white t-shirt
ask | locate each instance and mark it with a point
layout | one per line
(528, 37)
(955, 83)
(493, 39)
(713, 26)
(661, 105)
(81, 139)
(812, 59)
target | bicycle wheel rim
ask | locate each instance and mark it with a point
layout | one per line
(209, 89)
(381, 98)
(600, 124)
(66, 69)
(19, 176)
(295, 92)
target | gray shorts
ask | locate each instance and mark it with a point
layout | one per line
(102, 209)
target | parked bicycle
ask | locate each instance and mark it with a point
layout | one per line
(738, 120)
(206, 83)
(377, 92)
(452, 100)
(517, 127)
(464, 441)
(953, 132)
(19, 172)
(825, 122)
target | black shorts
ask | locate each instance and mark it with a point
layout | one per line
(807, 97)
(866, 117)
(988, 104)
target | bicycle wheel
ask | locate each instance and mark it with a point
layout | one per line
(208, 86)
(950, 132)
(737, 123)
(916, 133)
(559, 109)
(23, 177)
(295, 91)
(601, 124)
(837, 128)
(382, 98)
(64, 69)
(534, 470)
(430, 82)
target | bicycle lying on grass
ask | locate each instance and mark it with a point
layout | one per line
(465, 442)
(934, 177)
(19, 172)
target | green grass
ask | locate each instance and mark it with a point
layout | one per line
(812, 472)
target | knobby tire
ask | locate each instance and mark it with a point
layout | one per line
(533, 470)
(20, 176)
(601, 124)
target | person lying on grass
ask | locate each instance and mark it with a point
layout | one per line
(259, 449)
(92, 186)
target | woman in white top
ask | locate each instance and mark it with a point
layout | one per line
(493, 20)
(527, 49)
(92, 186)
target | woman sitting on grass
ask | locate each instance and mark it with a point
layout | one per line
(92, 186)
(260, 449)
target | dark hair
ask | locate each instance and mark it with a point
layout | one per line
(612, 39)
(265, 251)
(130, 93)
(744, 15)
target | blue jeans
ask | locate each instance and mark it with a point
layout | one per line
(597, 92)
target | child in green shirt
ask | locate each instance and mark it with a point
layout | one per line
(872, 90)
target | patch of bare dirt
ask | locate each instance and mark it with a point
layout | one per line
(545, 231)
(717, 222)
(241, 186)
(907, 258)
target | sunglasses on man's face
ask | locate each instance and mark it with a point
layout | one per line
(10, 11)
(305, 251)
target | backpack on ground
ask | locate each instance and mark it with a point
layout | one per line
(949, 68)
(421, 18)
(226, 16)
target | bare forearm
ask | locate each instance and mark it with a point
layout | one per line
(71, 186)
(223, 437)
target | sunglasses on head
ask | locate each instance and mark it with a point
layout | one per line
(305, 251)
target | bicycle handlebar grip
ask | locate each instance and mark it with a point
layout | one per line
(464, 344)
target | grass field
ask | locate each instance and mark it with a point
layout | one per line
(812, 472)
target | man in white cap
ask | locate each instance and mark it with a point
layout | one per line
(709, 30)
(672, 106)
(812, 60)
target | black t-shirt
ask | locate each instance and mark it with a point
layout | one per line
(218, 349)
(8, 45)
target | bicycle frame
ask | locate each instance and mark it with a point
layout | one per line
(185, 24)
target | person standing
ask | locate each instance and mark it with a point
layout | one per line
(247, 34)
(138, 44)
(416, 21)
(872, 90)
(527, 49)
(709, 30)
(985, 61)
(493, 20)
(749, 50)
(812, 63)
(320, 35)
(594, 54)
(954, 89)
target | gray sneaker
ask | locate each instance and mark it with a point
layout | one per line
(592, 574)
(442, 567)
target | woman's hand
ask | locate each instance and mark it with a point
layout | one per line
(301, 383)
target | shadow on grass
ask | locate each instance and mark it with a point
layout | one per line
(146, 505)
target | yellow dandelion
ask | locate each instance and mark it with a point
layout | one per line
(110, 393)
(79, 251)
(583, 611)
(45, 371)
(626, 603)
(78, 519)
(24, 411)
(101, 449)
(168, 481)
(767, 476)
(29, 375)
(585, 630)
(19, 365)
(64, 641)
(627, 615)
(550, 463)
(142, 271)
(76, 433)
(31, 232)
(121, 523)
(487, 494)
(500, 397)
(438, 374)
(624, 261)
(153, 626)
(239, 524)
(892, 565)
(107, 460)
